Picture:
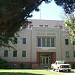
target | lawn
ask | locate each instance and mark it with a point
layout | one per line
(27, 72)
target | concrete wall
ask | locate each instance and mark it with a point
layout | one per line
(31, 42)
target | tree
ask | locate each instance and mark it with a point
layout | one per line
(13, 16)
(70, 22)
(69, 7)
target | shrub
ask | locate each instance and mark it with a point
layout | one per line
(22, 65)
(4, 64)
(73, 66)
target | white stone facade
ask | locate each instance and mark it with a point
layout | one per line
(45, 42)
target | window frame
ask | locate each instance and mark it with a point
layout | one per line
(39, 43)
(67, 54)
(15, 40)
(23, 53)
(74, 54)
(40, 25)
(45, 25)
(46, 42)
(14, 53)
(24, 41)
(66, 41)
(30, 26)
(5, 53)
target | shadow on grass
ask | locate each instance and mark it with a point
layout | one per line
(11, 73)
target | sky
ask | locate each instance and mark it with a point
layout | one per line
(49, 12)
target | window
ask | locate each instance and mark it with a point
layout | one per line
(46, 25)
(23, 53)
(66, 41)
(15, 40)
(24, 40)
(43, 42)
(52, 42)
(5, 53)
(46, 42)
(41, 25)
(39, 42)
(31, 26)
(74, 53)
(14, 53)
(67, 54)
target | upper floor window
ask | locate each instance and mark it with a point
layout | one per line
(66, 41)
(41, 25)
(15, 40)
(39, 42)
(74, 53)
(24, 40)
(67, 54)
(14, 53)
(52, 42)
(46, 25)
(46, 42)
(43, 42)
(23, 53)
(30, 26)
(5, 53)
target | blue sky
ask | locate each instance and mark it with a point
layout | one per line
(49, 12)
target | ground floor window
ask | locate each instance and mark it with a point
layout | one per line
(67, 54)
(23, 53)
(74, 53)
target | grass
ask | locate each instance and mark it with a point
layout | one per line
(27, 72)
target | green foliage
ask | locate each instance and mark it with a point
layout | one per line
(13, 16)
(67, 5)
(4, 64)
(71, 26)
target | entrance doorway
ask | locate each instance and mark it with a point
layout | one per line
(45, 60)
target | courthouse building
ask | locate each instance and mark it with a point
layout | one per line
(40, 44)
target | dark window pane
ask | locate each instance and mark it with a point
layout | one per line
(23, 53)
(74, 53)
(24, 40)
(15, 40)
(52, 42)
(41, 25)
(14, 53)
(48, 42)
(39, 42)
(66, 41)
(43, 42)
(67, 54)
(5, 53)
